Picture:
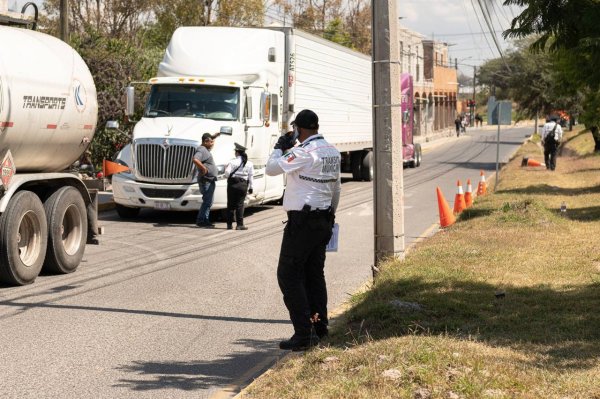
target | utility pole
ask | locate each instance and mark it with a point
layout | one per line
(207, 4)
(474, 88)
(388, 186)
(64, 20)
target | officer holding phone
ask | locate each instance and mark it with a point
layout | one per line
(311, 198)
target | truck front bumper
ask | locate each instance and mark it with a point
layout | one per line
(176, 197)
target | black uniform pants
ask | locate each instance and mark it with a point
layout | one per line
(550, 150)
(236, 194)
(300, 271)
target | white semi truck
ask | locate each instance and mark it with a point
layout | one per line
(48, 115)
(247, 83)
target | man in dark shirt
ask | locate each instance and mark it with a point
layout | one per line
(207, 177)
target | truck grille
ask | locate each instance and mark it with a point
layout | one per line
(159, 193)
(164, 163)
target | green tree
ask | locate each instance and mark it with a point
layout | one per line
(358, 24)
(240, 13)
(110, 18)
(114, 63)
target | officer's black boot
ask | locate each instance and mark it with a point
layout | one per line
(299, 342)
(321, 330)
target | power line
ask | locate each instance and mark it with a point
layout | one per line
(491, 28)
(468, 34)
(481, 26)
(503, 12)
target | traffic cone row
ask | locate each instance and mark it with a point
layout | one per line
(462, 200)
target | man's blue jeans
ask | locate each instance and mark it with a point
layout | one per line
(207, 189)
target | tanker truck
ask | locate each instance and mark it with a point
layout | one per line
(48, 115)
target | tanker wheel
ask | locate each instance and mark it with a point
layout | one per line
(367, 167)
(126, 212)
(23, 238)
(67, 230)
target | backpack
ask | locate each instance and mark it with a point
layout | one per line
(550, 139)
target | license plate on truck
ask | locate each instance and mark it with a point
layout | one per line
(162, 205)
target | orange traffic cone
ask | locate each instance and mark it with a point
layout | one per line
(482, 187)
(446, 216)
(531, 162)
(459, 199)
(469, 194)
(110, 168)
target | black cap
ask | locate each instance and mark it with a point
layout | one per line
(239, 148)
(207, 136)
(306, 119)
(554, 118)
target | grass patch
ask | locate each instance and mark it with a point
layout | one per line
(504, 304)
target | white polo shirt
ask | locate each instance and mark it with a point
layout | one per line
(548, 127)
(313, 174)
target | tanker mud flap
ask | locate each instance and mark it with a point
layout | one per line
(92, 216)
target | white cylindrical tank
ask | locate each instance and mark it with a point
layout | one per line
(48, 104)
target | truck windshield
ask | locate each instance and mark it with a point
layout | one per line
(193, 101)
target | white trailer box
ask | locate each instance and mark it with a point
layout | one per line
(252, 82)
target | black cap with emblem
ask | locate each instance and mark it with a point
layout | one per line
(239, 148)
(306, 119)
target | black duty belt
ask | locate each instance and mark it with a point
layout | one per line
(307, 211)
(237, 179)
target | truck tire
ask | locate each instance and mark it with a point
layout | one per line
(23, 239)
(416, 161)
(356, 161)
(126, 212)
(367, 167)
(418, 155)
(66, 216)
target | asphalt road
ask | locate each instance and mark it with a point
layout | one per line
(162, 309)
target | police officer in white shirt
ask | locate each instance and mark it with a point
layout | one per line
(551, 136)
(240, 176)
(311, 198)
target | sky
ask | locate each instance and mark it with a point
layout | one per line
(459, 23)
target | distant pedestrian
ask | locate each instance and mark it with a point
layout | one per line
(458, 124)
(311, 198)
(207, 178)
(551, 136)
(239, 173)
(463, 124)
(478, 120)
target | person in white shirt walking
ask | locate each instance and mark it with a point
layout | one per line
(311, 198)
(239, 173)
(551, 137)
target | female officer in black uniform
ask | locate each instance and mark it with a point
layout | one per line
(239, 175)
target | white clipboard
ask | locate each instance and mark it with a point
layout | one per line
(332, 245)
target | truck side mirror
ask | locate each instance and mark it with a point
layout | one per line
(265, 107)
(129, 100)
(228, 130)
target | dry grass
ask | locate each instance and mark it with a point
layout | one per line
(509, 297)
